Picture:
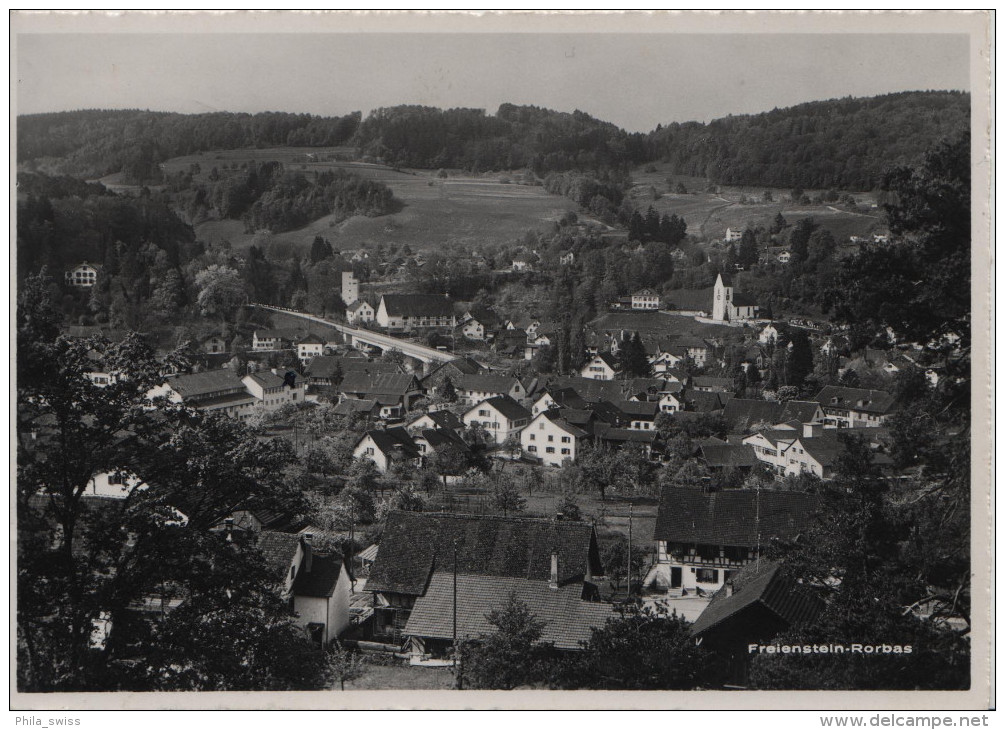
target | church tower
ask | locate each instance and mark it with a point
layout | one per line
(722, 298)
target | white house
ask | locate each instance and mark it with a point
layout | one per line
(733, 234)
(118, 484)
(214, 345)
(473, 389)
(310, 348)
(543, 403)
(552, 439)
(83, 275)
(271, 391)
(646, 300)
(855, 407)
(321, 594)
(500, 416)
(769, 334)
(566, 258)
(405, 312)
(770, 446)
(784, 257)
(472, 329)
(670, 403)
(663, 362)
(385, 446)
(601, 367)
(268, 339)
(360, 312)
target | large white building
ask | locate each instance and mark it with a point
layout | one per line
(551, 439)
(729, 306)
(83, 275)
(501, 417)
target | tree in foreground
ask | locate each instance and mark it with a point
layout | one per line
(644, 648)
(512, 656)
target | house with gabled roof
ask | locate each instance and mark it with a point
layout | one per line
(602, 366)
(500, 416)
(549, 565)
(441, 419)
(552, 439)
(730, 306)
(472, 389)
(386, 446)
(406, 312)
(428, 441)
(360, 312)
(755, 605)
(711, 384)
(212, 390)
(855, 407)
(704, 538)
(396, 392)
(272, 392)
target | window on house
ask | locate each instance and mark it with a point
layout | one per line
(566, 439)
(550, 438)
(550, 450)
(532, 448)
(566, 451)
(707, 575)
(293, 572)
(533, 437)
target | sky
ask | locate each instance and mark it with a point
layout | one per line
(633, 80)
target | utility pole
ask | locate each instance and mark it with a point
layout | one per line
(631, 510)
(460, 681)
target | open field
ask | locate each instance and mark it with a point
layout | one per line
(463, 210)
(710, 214)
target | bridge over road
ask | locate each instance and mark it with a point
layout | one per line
(355, 336)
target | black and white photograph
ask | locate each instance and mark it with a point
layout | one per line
(386, 360)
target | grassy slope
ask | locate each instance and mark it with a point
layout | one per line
(467, 210)
(711, 214)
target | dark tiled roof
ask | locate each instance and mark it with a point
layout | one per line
(440, 437)
(567, 398)
(379, 383)
(413, 543)
(560, 421)
(279, 550)
(348, 406)
(743, 300)
(799, 410)
(506, 406)
(739, 517)
(486, 383)
(858, 399)
(705, 401)
(741, 413)
(267, 379)
(760, 583)
(321, 579)
(824, 450)
(325, 366)
(194, 385)
(417, 305)
(444, 419)
(639, 408)
(728, 455)
(567, 618)
(393, 439)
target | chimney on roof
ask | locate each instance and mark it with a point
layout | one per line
(553, 580)
(229, 526)
(308, 542)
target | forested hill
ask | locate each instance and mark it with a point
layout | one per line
(97, 142)
(516, 137)
(842, 143)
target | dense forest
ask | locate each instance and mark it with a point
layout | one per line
(840, 143)
(95, 142)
